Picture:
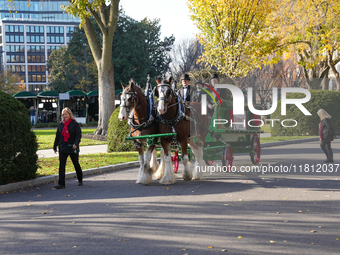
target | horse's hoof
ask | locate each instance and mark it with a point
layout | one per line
(196, 178)
(167, 183)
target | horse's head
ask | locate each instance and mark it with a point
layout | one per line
(127, 100)
(164, 94)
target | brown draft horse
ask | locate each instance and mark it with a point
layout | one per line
(170, 121)
(134, 105)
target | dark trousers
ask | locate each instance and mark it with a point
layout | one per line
(62, 164)
(326, 147)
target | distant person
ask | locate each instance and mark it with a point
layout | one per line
(44, 115)
(67, 138)
(32, 114)
(326, 133)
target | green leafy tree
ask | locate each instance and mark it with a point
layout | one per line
(73, 67)
(105, 13)
(59, 72)
(139, 51)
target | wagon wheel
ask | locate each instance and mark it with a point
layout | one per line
(174, 160)
(255, 144)
(227, 157)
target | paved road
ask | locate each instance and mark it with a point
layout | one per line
(273, 213)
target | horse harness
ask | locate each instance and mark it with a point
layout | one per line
(180, 115)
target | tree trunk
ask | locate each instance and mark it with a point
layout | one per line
(325, 83)
(106, 98)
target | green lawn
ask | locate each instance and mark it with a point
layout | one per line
(49, 166)
(46, 138)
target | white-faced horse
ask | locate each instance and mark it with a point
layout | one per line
(175, 117)
(138, 109)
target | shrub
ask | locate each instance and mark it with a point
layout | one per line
(18, 144)
(40, 125)
(53, 124)
(116, 134)
(92, 124)
(308, 125)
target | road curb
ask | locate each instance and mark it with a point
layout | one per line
(54, 178)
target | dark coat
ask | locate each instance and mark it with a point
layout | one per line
(75, 137)
(189, 95)
(327, 130)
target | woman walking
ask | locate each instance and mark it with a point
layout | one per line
(326, 133)
(67, 139)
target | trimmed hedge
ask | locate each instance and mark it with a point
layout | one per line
(308, 125)
(116, 134)
(18, 144)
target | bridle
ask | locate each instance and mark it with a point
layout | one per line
(131, 99)
(168, 99)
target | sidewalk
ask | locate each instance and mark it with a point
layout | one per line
(49, 153)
